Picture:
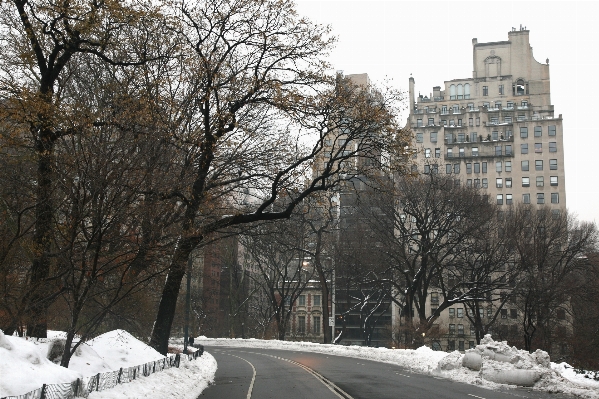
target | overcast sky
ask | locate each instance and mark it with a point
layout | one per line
(432, 40)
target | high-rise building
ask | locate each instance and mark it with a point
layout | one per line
(495, 130)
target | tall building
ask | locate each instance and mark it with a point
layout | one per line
(495, 130)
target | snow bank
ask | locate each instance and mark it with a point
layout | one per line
(24, 369)
(119, 349)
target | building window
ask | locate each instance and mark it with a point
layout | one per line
(452, 313)
(538, 131)
(414, 168)
(538, 148)
(499, 199)
(524, 103)
(469, 183)
(510, 105)
(508, 166)
(444, 109)
(554, 198)
(485, 183)
(508, 182)
(474, 151)
(499, 182)
(431, 121)
(451, 345)
(418, 122)
(524, 132)
(484, 167)
(500, 90)
(508, 199)
(504, 313)
(553, 180)
(437, 153)
(497, 150)
(551, 130)
(526, 182)
(526, 198)
(540, 181)
(450, 153)
(521, 117)
(508, 119)
(508, 149)
(477, 183)
(427, 152)
(540, 198)
(525, 166)
(539, 164)
(470, 122)
(448, 168)
(456, 168)
(498, 166)
(553, 164)
(477, 121)
(462, 152)
(476, 167)
(427, 169)
(316, 320)
(460, 326)
(552, 146)
(316, 300)
(301, 300)
(524, 148)
(419, 137)
(485, 90)
(513, 313)
(301, 324)
(468, 167)
(434, 298)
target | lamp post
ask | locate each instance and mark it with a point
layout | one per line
(187, 304)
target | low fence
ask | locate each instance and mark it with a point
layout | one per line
(82, 387)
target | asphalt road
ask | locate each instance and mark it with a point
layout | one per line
(267, 373)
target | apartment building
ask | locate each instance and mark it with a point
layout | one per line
(496, 130)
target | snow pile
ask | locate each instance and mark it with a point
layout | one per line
(586, 379)
(24, 366)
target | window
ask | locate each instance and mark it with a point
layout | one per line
(540, 181)
(459, 122)
(316, 300)
(499, 199)
(471, 344)
(552, 146)
(427, 152)
(510, 105)
(508, 166)
(507, 119)
(419, 122)
(473, 137)
(554, 198)
(435, 168)
(524, 148)
(461, 332)
(497, 150)
(427, 169)
(526, 182)
(456, 109)
(469, 183)
(444, 109)
(526, 198)
(476, 167)
(538, 131)
(539, 164)
(504, 313)
(477, 183)
(470, 122)
(500, 90)
(461, 313)
(462, 152)
(498, 166)
(450, 153)
(499, 182)
(419, 137)
(452, 313)
(433, 137)
(495, 134)
(508, 150)
(551, 130)
(508, 182)
(508, 199)
(468, 167)
(485, 183)
(513, 313)
(456, 168)
(553, 180)
(525, 166)
(434, 298)
(437, 153)
(302, 300)
(448, 168)
(540, 198)
(538, 148)
(316, 324)
(451, 344)
(461, 137)
(553, 164)
(485, 90)
(431, 121)
(474, 151)
(521, 117)
(484, 167)
(414, 168)
(524, 132)
(301, 324)
(477, 121)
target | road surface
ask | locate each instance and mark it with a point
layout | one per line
(247, 373)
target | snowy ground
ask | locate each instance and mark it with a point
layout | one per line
(499, 364)
(24, 365)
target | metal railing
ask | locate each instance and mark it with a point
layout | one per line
(82, 387)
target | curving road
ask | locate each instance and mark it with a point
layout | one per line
(268, 373)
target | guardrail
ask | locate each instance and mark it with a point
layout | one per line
(82, 387)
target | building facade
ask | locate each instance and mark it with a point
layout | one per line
(496, 130)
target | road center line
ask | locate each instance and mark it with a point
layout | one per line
(479, 397)
(253, 376)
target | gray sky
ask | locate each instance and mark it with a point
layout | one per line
(432, 40)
